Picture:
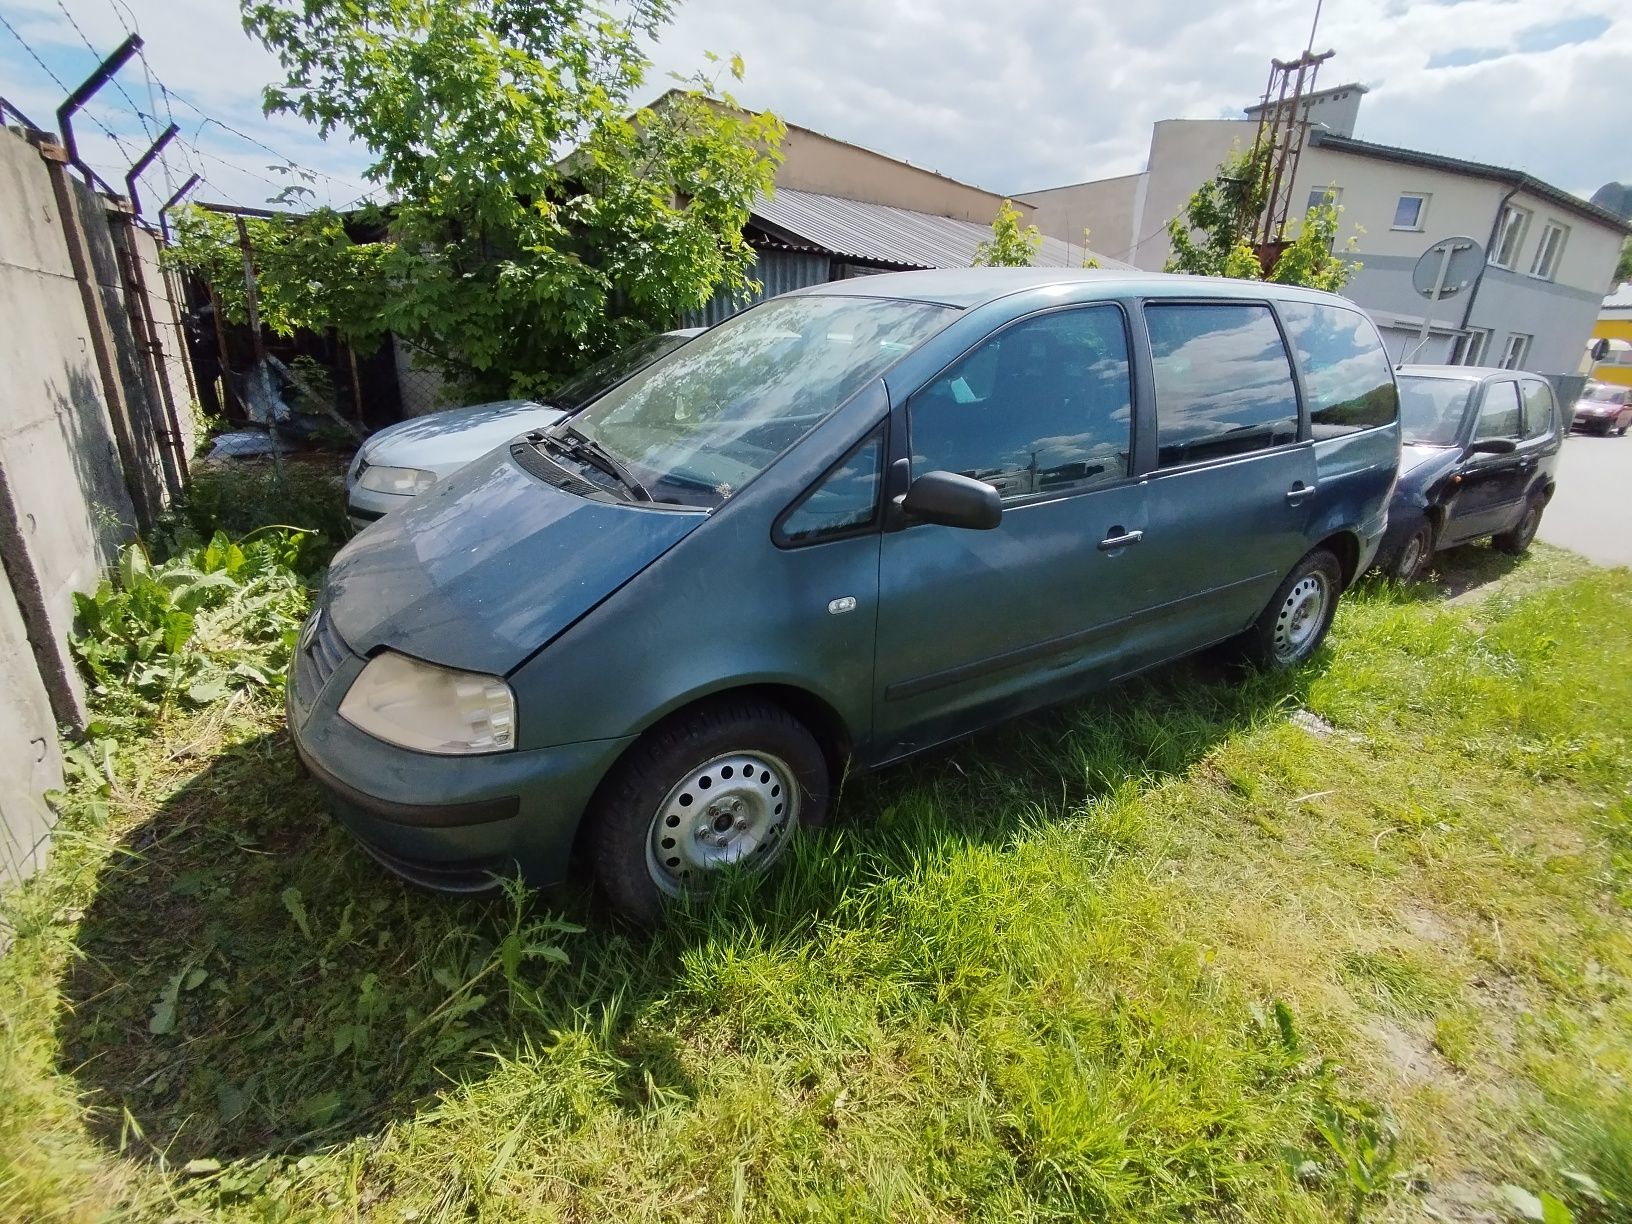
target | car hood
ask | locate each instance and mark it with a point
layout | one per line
(1421, 465)
(489, 566)
(443, 442)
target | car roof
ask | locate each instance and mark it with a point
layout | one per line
(977, 286)
(1465, 373)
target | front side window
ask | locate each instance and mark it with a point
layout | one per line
(843, 502)
(1510, 237)
(1044, 406)
(1346, 372)
(1516, 351)
(1223, 381)
(1549, 251)
(1500, 415)
(1432, 409)
(711, 416)
(1538, 409)
(1410, 211)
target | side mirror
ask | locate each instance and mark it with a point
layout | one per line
(953, 501)
(1492, 446)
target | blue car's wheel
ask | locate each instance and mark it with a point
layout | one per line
(726, 783)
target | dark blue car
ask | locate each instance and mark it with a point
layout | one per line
(848, 524)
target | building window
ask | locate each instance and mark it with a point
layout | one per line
(1516, 351)
(1548, 251)
(1410, 211)
(1510, 237)
(1470, 349)
(1322, 196)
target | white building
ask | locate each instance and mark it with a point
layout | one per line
(1551, 254)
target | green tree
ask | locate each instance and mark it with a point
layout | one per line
(1208, 237)
(1623, 269)
(511, 263)
(1009, 246)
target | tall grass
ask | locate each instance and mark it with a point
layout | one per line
(1167, 954)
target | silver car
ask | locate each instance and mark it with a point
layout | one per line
(399, 463)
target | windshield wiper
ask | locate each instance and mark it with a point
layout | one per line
(574, 443)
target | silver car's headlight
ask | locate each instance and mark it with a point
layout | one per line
(413, 704)
(404, 482)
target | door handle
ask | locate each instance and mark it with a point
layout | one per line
(1120, 539)
(1299, 493)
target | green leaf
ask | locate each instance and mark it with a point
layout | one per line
(296, 905)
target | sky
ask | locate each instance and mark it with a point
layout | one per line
(1012, 97)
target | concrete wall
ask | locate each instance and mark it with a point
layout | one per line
(814, 162)
(80, 456)
(1108, 208)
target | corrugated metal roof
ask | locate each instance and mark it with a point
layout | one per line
(900, 237)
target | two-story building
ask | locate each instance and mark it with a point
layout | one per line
(1550, 254)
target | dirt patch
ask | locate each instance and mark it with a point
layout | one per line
(1465, 1198)
(1425, 924)
(1411, 1056)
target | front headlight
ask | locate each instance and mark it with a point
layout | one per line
(419, 705)
(404, 482)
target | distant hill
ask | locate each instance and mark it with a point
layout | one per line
(1617, 197)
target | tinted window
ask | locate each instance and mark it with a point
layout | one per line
(1043, 406)
(1346, 373)
(1538, 410)
(708, 418)
(1432, 409)
(844, 500)
(1223, 383)
(1499, 415)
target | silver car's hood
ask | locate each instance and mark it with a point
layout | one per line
(443, 442)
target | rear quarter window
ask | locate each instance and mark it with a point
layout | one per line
(1346, 374)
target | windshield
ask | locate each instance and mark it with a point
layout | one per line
(1431, 409)
(610, 371)
(695, 428)
(1604, 392)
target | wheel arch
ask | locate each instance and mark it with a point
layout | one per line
(1345, 546)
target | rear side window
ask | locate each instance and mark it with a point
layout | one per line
(1043, 406)
(1346, 373)
(1538, 409)
(1223, 381)
(1499, 415)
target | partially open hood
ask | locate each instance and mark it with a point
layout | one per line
(489, 566)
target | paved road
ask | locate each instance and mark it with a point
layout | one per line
(1592, 510)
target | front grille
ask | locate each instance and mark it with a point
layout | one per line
(322, 649)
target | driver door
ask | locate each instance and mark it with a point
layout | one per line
(1492, 486)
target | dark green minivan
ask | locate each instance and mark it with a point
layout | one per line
(845, 525)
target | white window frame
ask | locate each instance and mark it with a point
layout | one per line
(1545, 264)
(1521, 217)
(1473, 347)
(1422, 198)
(1516, 351)
(1322, 195)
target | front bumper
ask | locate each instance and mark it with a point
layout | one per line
(1585, 419)
(364, 505)
(451, 823)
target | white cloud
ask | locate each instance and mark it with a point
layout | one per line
(1025, 94)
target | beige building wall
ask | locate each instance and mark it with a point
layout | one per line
(818, 163)
(1108, 208)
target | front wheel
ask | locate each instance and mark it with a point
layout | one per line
(1414, 554)
(1294, 623)
(725, 783)
(1518, 539)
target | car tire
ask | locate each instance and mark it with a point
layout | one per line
(1515, 541)
(1411, 560)
(1621, 432)
(1294, 622)
(726, 781)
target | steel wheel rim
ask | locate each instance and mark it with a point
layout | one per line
(1411, 558)
(734, 808)
(1300, 617)
(1532, 519)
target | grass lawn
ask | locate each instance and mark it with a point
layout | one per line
(1350, 943)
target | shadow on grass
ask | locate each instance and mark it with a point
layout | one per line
(251, 983)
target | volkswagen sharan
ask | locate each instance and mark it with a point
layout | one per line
(848, 524)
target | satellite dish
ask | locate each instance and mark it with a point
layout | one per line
(1448, 267)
